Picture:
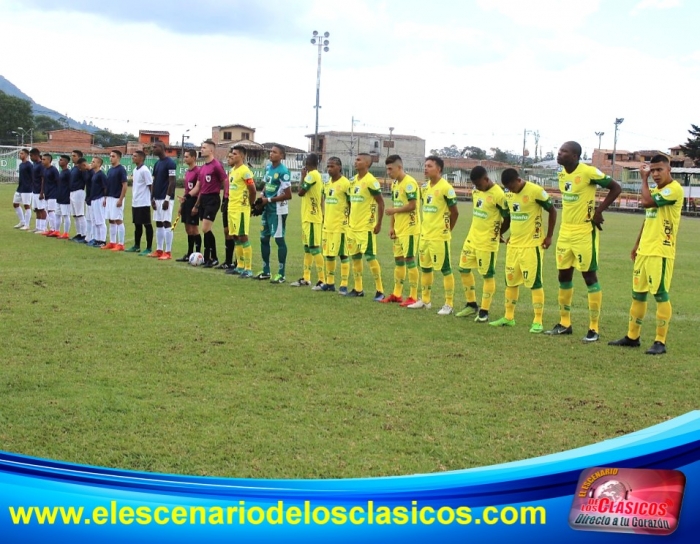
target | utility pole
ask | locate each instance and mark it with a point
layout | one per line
(352, 145)
(525, 133)
(537, 144)
(600, 136)
(182, 142)
(322, 43)
(618, 122)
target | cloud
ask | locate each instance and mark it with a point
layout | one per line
(655, 4)
(548, 14)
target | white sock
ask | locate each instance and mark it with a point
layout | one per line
(66, 224)
(27, 217)
(81, 225)
(52, 221)
(160, 238)
(168, 240)
(112, 233)
(20, 213)
(41, 224)
(103, 232)
(90, 230)
(121, 233)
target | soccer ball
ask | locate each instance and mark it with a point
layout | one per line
(196, 259)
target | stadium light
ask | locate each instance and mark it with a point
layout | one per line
(600, 136)
(323, 47)
(618, 122)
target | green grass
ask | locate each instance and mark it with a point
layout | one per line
(117, 360)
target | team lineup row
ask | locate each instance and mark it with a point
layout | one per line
(341, 219)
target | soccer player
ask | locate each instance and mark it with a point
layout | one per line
(311, 192)
(114, 208)
(654, 253)
(162, 192)
(276, 196)
(191, 222)
(98, 203)
(49, 190)
(229, 241)
(241, 195)
(404, 231)
(79, 178)
(439, 205)
(38, 200)
(490, 217)
(524, 253)
(578, 241)
(141, 187)
(22, 201)
(365, 222)
(63, 197)
(336, 197)
(210, 180)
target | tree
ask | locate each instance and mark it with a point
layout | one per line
(692, 146)
(42, 125)
(452, 152)
(473, 152)
(549, 156)
(106, 138)
(499, 155)
(14, 113)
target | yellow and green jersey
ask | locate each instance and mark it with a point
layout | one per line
(239, 178)
(437, 200)
(363, 207)
(337, 198)
(311, 201)
(661, 223)
(526, 228)
(402, 192)
(578, 196)
(489, 209)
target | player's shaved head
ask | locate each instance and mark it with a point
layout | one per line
(312, 160)
(574, 147)
(478, 173)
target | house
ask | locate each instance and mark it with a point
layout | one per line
(227, 134)
(679, 158)
(625, 161)
(67, 139)
(147, 137)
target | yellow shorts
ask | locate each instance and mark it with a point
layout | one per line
(483, 261)
(311, 233)
(652, 275)
(578, 250)
(333, 244)
(362, 241)
(406, 246)
(524, 266)
(238, 222)
(435, 255)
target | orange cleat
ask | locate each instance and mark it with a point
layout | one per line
(166, 256)
(109, 246)
(64, 236)
(53, 234)
(407, 302)
(391, 298)
(118, 247)
(157, 254)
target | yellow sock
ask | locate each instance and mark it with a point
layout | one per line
(357, 273)
(566, 295)
(377, 274)
(448, 282)
(663, 318)
(426, 286)
(469, 284)
(489, 291)
(412, 280)
(247, 251)
(308, 259)
(320, 267)
(538, 304)
(399, 278)
(240, 258)
(595, 301)
(637, 313)
(512, 294)
(344, 272)
(330, 270)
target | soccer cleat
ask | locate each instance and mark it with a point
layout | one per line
(211, 263)
(355, 294)
(246, 274)
(118, 247)
(301, 282)
(657, 348)
(536, 328)
(482, 317)
(91, 243)
(44, 232)
(262, 276)
(392, 298)
(279, 278)
(419, 305)
(343, 291)
(469, 310)
(53, 234)
(64, 236)
(156, 254)
(75, 238)
(183, 259)
(225, 266)
(234, 271)
(318, 286)
(328, 288)
(24, 228)
(166, 256)
(445, 310)
(406, 303)
(18, 226)
(133, 249)
(503, 322)
(378, 296)
(591, 336)
(100, 244)
(560, 329)
(626, 342)
(146, 252)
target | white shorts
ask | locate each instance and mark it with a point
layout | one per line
(51, 205)
(161, 215)
(37, 203)
(114, 212)
(22, 198)
(77, 203)
(98, 212)
(64, 209)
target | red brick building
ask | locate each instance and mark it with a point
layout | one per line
(147, 137)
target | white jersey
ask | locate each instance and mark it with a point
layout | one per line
(141, 194)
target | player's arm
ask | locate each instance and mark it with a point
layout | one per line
(614, 190)
(170, 194)
(406, 208)
(636, 244)
(41, 189)
(250, 185)
(454, 214)
(124, 188)
(551, 221)
(305, 185)
(379, 199)
(103, 178)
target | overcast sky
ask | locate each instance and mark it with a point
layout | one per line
(468, 72)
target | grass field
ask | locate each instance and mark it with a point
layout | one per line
(117, 360)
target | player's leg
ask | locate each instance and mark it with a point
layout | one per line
(65, 212)
(210, 208)
(344, 264)
(234, 227)
(374, 268)
(246, 263)
(17, 205)
(638, 310)
(330, 248)
(268, 222)
(664, 271)
(588, 264)
(357, 243)
(467, 262)
(279, 233)
(167, 219)
(532, 278)
(305, 279)
(399, 274)
(27, 204)
(90, 234)
(409, 247)
(51, 212)
(448, 279)
(229, 240)
(486, 264)
(514, 278)
(565, 264)
(427, 261)
(315, 248)
(98, 223)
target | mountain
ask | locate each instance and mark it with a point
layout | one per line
(10, 88)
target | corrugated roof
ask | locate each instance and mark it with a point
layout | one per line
(155, 132)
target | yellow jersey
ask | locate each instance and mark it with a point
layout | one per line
(337, 198)
(526, 229)
(363, 207)
(311, 201)
(578, 196)
(437, 201)
(661, 223)
(402, 192)
(239, 179)
(489, 210)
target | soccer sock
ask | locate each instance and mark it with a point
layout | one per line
(121, 234)
(357, 272)
(197, 243)
(308, 260)
(512, 294)
(212, 246)
(103, 232)
(376, 271)
(265, 254)
(90, 230)
(40, 224)
(209, 242)
(20, 213)
(66, 223)
(412, 280)
(112, 233)
(282, 254)
(538, 304)
(318, 261)
(637, 313)
(566, 295)
(240, 257)
(399, 277)
(27, 217)
(595, 301)
(230, 249)
(663, 318)
(448, 283)
(138, 232)
(160, 238)
(330, 270)
(52, 221)
(190, 244)
(168, 240)
(149, 236)
(469, 285)
(344, 271)
(487, 295)
(426, 284)
(247, 252)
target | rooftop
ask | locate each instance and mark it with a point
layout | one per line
(367, 135)
(235, 126)
(155, 132)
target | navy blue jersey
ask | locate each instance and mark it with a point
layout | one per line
(162, 171)
(98, 184)
(87, 181)
(25, 177)
(115, 177)
(63, 196)
(37, 174)
(77, 179)
(50, 182)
